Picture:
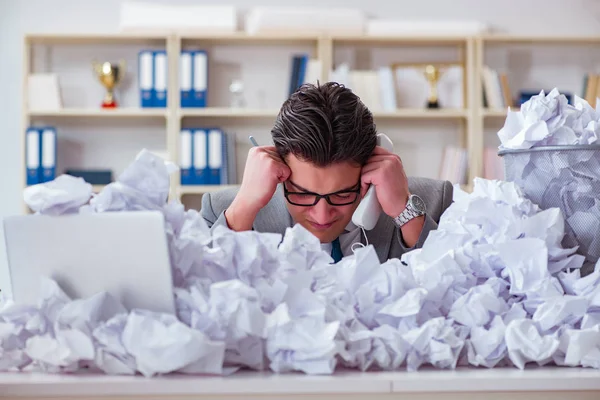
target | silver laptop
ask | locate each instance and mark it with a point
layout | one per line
(123, 253)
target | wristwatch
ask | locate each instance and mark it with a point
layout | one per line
(414, 208)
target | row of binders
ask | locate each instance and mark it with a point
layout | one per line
(40, 154)
(153, 77)
(207, 157)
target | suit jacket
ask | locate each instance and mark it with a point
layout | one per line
(385, 236)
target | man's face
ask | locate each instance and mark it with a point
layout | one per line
(323, 220)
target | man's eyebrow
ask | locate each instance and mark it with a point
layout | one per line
(299, 187)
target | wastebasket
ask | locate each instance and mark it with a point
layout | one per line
(567, 177)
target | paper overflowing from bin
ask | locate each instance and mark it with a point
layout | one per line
(550, 149)
(549, 120)
(491, 287)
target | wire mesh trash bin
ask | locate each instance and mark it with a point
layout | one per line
(567, 177)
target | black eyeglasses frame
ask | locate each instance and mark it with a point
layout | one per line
(318, 197)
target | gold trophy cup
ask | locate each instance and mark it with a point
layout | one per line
(432, 74)
(109, 75)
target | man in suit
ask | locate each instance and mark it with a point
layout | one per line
(323, 160)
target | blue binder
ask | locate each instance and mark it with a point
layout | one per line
(186, 150)
(302, 70)
(215, 155)
(33, 155)
(186, 78)
(200, 78)
(225, 172)
(146, 78)
(200, 157)
(48, 160)
(161, 77)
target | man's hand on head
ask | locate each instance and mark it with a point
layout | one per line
(386, 172)
(264, 170)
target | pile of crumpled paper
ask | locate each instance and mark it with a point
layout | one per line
(491, 287)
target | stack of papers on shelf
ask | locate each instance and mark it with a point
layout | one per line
(341, 21)
(390, 27)
(141, 16)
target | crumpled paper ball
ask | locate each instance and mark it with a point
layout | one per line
(492, 286)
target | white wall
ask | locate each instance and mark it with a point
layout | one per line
(20, 16)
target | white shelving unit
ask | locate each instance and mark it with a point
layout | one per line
(469, 52)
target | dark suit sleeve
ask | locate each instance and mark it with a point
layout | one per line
(209, 215)
(431, 219)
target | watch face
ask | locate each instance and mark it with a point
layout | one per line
(418, 203)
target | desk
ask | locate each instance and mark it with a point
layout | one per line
(546, 383)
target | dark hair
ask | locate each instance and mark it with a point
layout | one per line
(325, 124)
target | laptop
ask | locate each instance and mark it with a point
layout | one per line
(123, 253)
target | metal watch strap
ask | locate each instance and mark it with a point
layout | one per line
(406, 215)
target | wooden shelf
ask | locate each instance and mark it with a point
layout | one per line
(96, 38)
(201, 189)
(500, 113)
(401, 40)
(124, 112)
(97, 188)
(244, 38)
(416, 113)
(512, 39)
(228, 112)
(272, 113)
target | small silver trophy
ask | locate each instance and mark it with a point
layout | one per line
(236, 90)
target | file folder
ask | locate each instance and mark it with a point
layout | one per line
(185, 157)
(200, 78)
(225, 173)
(185, 79)
(33, 156)
(200, 156)
(146, 78)
(48, 162)
(215, 155)
(160, 78)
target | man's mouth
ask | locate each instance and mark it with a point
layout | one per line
(321, 226)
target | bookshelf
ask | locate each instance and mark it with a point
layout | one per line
(159, 127)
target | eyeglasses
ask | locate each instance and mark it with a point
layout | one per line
(307, 199)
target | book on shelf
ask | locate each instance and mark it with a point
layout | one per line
(207, 156)
(454, 165)
(303, 70)
(496, 89)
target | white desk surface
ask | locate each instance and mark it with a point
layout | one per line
(424, 384)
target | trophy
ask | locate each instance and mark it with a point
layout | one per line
(110, 75)
(236, 93)
(432, 74)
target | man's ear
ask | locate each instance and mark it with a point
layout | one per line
(363, 189)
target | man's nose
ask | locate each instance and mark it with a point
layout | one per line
(321, 212)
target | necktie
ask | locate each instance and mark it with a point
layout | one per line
(336, 250)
